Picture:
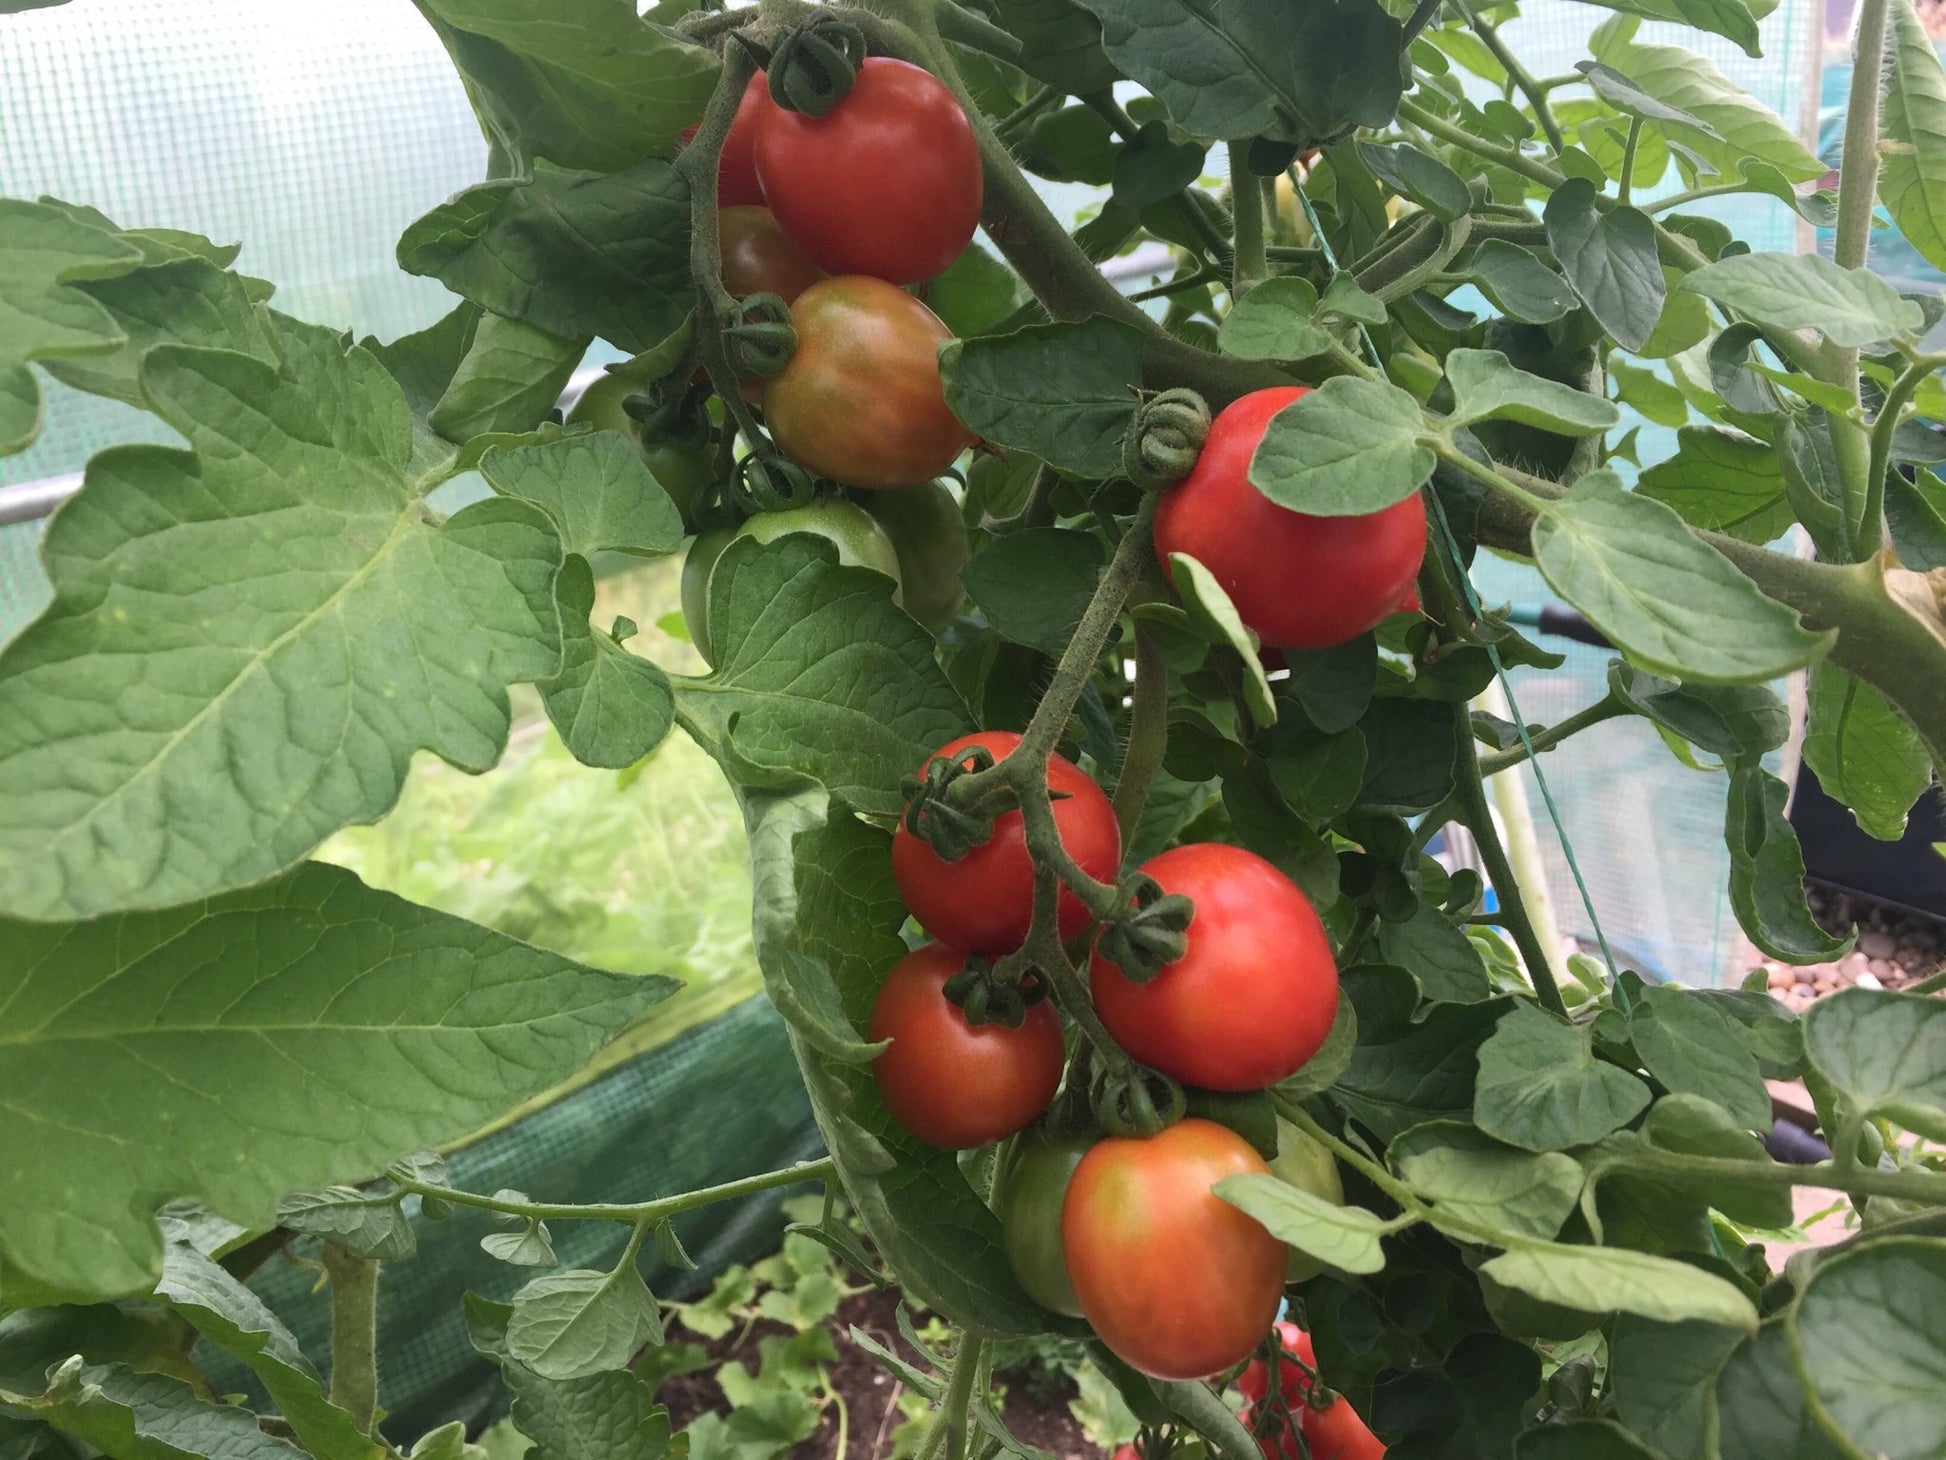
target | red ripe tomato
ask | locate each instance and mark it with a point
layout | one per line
(759, 257)
(1337, 1433)
(1179, 1283)
(1255, 993)
(1300, 582)
(861, 400)
(985, 901)
(736, 170)
(886, 183)
(951, 1083)
(1293, 1379)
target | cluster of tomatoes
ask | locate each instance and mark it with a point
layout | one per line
(1124, 1231)
(830, 214)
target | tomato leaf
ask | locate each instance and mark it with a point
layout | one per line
(1727, 720)
(1870, 1327)
(1610, 259)
(140, 1416)
(1690, 1047)
(1256, 67)
(147, 758)
(1912, 130)
(1274, 322)
(1616, 1280)
(1763, 1409)
(46, 253)
(1349, 447)
(573, 254)
(1542, 1089)
(1333, 686)
(1663, 1379)
(1034, 584)
(1865, 754)
(1669, 601)
(511, 376)
(571, 1325)
(1343, 1237)
(1731, 18)
(1211, 611)
(1885, 1054)
(1474, 1179)
(1725, 481)
(1060, 44)
(1065, 392)
(1441, 957)
(1807, 291)
(1582, 1439)
(591, 87)
(1767, 870)
(610, 706)
(1486, 385)
(818, 677)
(1406, 1071)
(1525, 288)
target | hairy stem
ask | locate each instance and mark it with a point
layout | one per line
(950, 1423)
(1478, 818)
(635, 1214)
(1148, 733)
(1247, 205)
(1626, 185)
(354, 1334)
(1885, 428)
(1021, 115)
(1606, 708)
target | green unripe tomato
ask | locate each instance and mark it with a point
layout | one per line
(1303, 1163)
(925, 526)
(704, 549)
(860, 541)
(1030, 1215)
(681, 468)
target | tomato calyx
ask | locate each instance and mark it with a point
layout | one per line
(766, 483)
(671, 409)
(758, 336)
(1149, 929)
(1131, 1100)
(1164, 439)
(814, 65)
(990, 992)
(953, 825)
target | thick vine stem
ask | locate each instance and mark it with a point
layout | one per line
(354, 1334)
(1148, 733)
(635, 1214)
(1477, 816)
(1606, 708)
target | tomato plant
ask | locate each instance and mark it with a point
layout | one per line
(861, 399)
(1300, 581)
(951, 1083)
(984, 901)
(886, 183)
(1177, 1282)
(1438, 302)
(1253, 995)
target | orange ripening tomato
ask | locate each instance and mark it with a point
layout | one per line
(1253, 996)
(1298, 581)
(984, 902)
(861, 401)
(886, 183)
(950, 1083)
(1179, 1283)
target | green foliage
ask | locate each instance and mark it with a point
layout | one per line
(1551, 1246)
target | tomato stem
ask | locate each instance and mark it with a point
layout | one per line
(1606, 708)
(1251, 267)
(638, 1214)
(1148, 733)
(354, 1334)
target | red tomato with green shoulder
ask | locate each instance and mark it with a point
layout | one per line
(1253, 996)
(861, 400)
(736, 169)
(1179, 1283)
(1299, 581)
(886, 183)
(950, 1083)
(984, 902)
(1037, 1180)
